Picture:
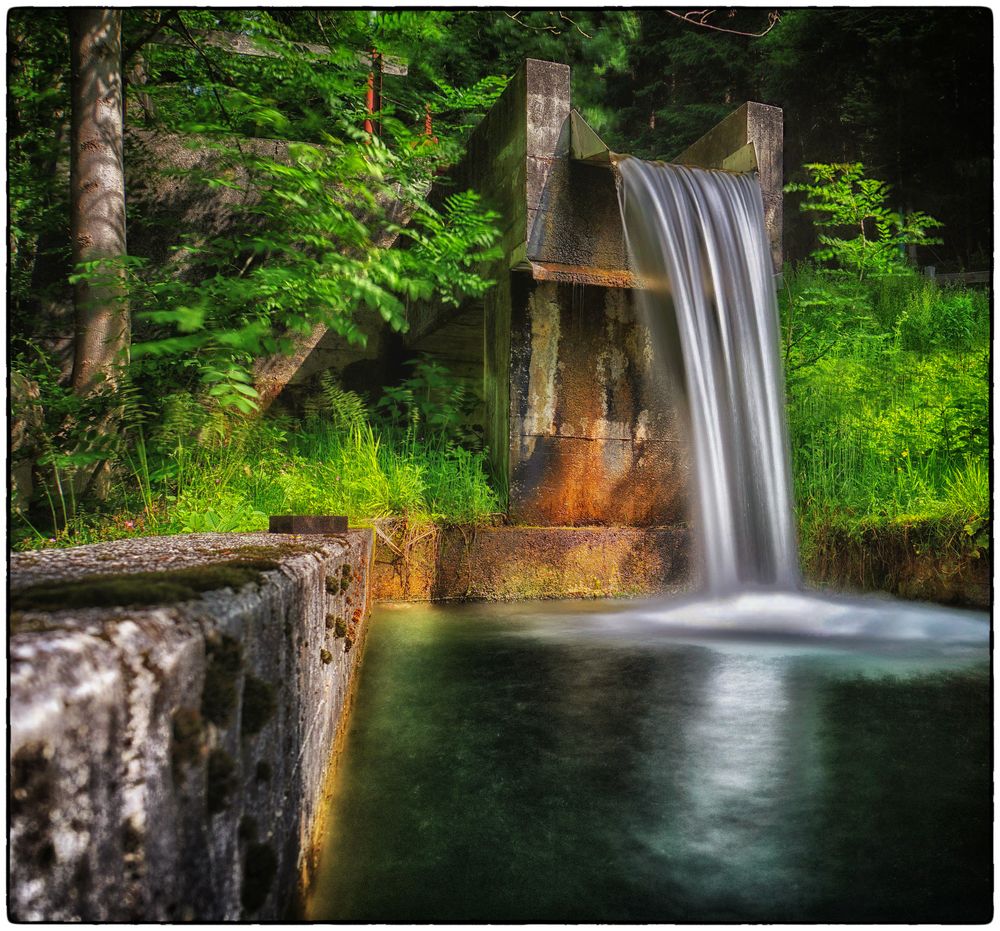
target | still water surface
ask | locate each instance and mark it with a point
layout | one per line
(571, 762)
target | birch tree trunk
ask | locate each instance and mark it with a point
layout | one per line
(97, 197)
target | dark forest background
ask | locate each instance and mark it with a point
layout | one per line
(908, 91)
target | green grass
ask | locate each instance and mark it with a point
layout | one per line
(888, 410)
(232, 477)
(888, 405)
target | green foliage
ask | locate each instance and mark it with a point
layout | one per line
(431, 402)
(314, 249)
(328, 222)
(845, 199)
(936, 319)
(344, 411)
(38, 114)
(887, 374)
(208, 471)
(888, 391)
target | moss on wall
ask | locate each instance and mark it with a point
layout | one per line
(258, 705)
(135, 589)
(224, 660)
(259, 868)
(186, 733)
(220, 781)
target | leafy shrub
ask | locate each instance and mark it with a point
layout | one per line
(935, 319)
(886, 373)
(432, 402)
(344, 410)
(845, 200)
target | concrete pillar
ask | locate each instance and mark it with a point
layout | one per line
(593, 435)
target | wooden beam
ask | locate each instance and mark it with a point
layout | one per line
(236, 43)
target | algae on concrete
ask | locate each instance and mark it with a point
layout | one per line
(220, 782)
(224, 661)
(258, 705)
(138, 589)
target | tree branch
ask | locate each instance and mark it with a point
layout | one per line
(520, 22)
(701, 18)
(148, 35)
(212, 69)
(555, 30)
(575, 26)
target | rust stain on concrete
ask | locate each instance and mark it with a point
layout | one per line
(584, 274)
(598, 441)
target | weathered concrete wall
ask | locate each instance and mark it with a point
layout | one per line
(580, 420)
(496, 376)
(167, 203)
(594, 436)
(761, 126)
(511, 563)
(168, 762)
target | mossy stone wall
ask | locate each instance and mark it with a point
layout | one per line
(174, 708)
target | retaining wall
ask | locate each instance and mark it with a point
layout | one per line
(168, 761)
(915, 562)
(511, 563)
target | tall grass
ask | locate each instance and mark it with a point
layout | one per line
(229, 477)
(888, 402)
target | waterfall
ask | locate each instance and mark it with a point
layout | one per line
(696, 238)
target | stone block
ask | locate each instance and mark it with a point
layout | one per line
(307, 523)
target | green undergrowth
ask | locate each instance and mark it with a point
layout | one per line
(888, 409)
(230, 476)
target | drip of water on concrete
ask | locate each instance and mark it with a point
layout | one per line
(697, 239)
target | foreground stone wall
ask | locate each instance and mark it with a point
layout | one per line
(168, 762)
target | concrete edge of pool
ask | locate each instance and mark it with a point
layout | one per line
(513, 563)
(168, 760)
(172, 760)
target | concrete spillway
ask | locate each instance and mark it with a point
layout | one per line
(582, 424)
(698, 238)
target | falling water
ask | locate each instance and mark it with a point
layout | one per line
(697, 240)
(723, 758)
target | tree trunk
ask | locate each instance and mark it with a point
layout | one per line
(97, 198)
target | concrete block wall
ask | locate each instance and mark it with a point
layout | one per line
(168, 762)
(594, 435)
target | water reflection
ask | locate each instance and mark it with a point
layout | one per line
(504, 767)
(731, 764)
